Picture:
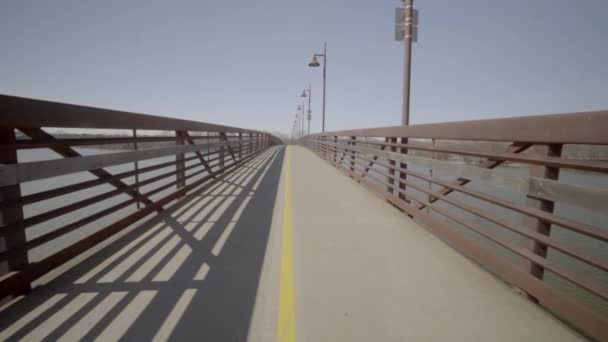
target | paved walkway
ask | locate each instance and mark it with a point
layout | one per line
(312, 255)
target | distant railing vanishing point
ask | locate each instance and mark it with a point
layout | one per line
(166, 158)
(542, 230)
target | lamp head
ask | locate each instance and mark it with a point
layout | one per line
(303, 93)
(314, 62)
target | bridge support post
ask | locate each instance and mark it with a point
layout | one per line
(240, 146)
(10, 215)
(250, 149)
(136, 166)
(352, 155)
(335, 149)
(402, 175)
(538, 225)
(221, 150)
(391, 170)
(180, 164)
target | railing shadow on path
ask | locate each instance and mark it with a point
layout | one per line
(190, 273)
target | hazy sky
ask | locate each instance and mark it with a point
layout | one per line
(244, 63)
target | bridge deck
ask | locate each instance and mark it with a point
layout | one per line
(209, 268)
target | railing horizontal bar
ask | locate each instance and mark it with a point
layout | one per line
(560, 246)
(554, 128)
(78, 224)
(587, 165)
(11, 283)
(25, 112)
(557, 245)
(583, 283)
(590, 198)
(51, 214)
(34, 143)
(45, 195)
(24, 172)
(585, 229)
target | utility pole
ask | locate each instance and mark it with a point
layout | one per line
(406, 30)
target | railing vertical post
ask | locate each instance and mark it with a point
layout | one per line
(402, 175)
(538, 225)
(335, 149)
(222, 142)
(240, 145)
(136, 166)
(319, 144)
(250, 149)
(391, 163)
(430, 186)
(322, 145)
(12, 214)
(180, 164)
(352, 155)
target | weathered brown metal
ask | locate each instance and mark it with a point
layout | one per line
(199, 154)
(25, 112)
(538, 129)
(371, 163)
(224, 138)
(180, 164)
(136, 165)
(586, 165)
(487, 164)
(38, 134)
(12, 283)
(579, 227)
(29, 116)
(541, 226)
(48, 194)
(536, 236)
(590, 321)
(12, 215)
(542, 186)
(29, 171)
(91, 218)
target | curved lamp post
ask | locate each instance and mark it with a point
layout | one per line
(309, 91)
(315, 63)
(301, 122)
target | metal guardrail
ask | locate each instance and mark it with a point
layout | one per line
(504, 218)
(203, 153)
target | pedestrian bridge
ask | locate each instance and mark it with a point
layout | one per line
(480, 230)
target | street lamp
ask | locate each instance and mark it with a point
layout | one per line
(301, 122)
(315, 63)
(309, 90)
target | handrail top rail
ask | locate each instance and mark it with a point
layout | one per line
(566, 128)
(27, 112)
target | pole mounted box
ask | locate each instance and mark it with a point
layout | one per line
(402, 22)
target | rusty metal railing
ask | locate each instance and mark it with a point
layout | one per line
(527, 198)
(140, 164)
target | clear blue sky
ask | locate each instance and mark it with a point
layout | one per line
(244, 63)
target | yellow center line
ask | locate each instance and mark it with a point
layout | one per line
(287, 301)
